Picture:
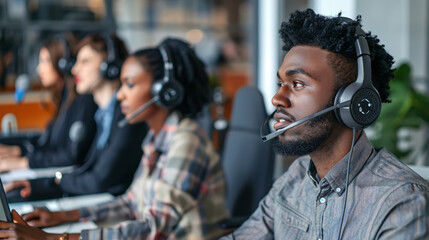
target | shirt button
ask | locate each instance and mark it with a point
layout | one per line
(338, 190)
(322, 200)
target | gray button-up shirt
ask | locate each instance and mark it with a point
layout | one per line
(386, 200)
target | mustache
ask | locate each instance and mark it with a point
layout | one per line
(284, 112)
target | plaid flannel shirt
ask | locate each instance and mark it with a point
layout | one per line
(178, 191)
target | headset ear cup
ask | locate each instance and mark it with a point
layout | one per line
(337, 100)
(103, 69)
(366, 106)
(65, 65)
(113, 70)
(62, 64)
(110, 70)
(170, 93)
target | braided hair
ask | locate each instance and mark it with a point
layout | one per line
(188, 70)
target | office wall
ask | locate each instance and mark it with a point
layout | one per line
(402, 26)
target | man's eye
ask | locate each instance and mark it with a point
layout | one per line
(130, 85)
(280, 84)
(298, 84)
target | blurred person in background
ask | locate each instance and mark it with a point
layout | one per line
(69, 134)
(115, 152)
(178, 191)
(6, 57)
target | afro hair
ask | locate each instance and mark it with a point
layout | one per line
(329, 33)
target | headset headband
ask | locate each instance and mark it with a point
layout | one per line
(111, 49)
(365, 105)
(168, 66)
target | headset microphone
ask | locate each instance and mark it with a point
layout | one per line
(124, 121)
(272, 135)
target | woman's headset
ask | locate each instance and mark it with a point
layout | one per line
(66, 62)
(168, 89)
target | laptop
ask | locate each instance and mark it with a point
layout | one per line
(4, 208)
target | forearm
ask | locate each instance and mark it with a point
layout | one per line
(70, 216)
(13, 163)
(21, 163)
(74, 236)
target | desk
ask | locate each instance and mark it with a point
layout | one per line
(34, 173)
(63, 204)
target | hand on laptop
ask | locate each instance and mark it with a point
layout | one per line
(45, 218)
(20, 229)
(23, 185)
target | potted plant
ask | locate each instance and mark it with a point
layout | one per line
(402, 125)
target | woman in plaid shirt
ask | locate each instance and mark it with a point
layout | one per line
(178, 191)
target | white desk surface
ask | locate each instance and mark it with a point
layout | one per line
(63, 204)
(33, 173)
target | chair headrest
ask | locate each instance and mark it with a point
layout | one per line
(248, 110)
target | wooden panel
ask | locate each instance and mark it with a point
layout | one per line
(29, 115)
(230, 80)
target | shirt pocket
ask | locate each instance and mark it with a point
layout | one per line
(289, 223)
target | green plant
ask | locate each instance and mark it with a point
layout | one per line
(408, 109)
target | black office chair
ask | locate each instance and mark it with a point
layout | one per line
(247, 161)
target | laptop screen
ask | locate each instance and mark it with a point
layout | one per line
(4, 208)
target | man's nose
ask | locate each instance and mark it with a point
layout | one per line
(282, 97)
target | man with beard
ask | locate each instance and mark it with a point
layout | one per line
(342, 187)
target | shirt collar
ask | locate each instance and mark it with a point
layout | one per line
(164, 137)
(107, 111)
(312, 173)
(336, 177)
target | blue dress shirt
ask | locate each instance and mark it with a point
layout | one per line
(103, 118)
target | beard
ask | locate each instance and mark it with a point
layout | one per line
(315, 132)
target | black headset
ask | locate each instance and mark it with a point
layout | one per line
(365, 101)
(364, 105)
(111, 68)
(169, 91)
(66, 62)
